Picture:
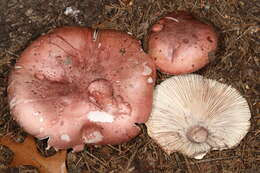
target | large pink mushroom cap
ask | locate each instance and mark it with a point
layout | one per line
(181, 44)
(77, 86)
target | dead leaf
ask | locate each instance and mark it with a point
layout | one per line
(26, 153)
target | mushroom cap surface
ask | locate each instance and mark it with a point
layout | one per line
(75, 86)
(180, 44)
(193, 115)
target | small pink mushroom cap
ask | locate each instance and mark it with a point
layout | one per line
(77, 86)
(180, 44)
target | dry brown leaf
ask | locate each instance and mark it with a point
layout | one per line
(26, 153)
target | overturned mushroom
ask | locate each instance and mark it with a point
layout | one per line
(76, 86)
(180, 44)
(194, 115)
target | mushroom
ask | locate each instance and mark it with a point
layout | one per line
(180, 44)
(77, 86)
(193, 115)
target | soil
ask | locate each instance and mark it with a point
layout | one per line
(6, 155)
(237, 63)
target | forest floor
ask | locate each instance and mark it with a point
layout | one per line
(237, 63)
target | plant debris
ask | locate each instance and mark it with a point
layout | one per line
(26, 153)
(237, 63)
(6, 155)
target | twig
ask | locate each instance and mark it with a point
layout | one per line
(78, 161)
(188, 165)
(133, 155)
(93, 156)
(131, 159)
(11, 53)
(214, 159)
(114, 148)
(86, 163)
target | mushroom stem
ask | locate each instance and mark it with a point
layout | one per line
(197, 134)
